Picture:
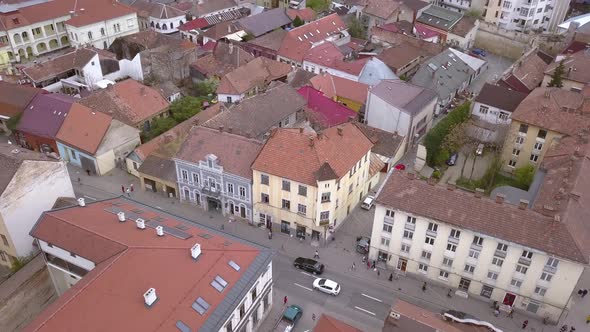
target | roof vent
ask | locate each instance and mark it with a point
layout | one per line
(394, 315)
(196, 251)
(500, 198)
(160, 230)
(140, 223)
(523, 204)
(81, 202)
(150, 297)
(121, 216)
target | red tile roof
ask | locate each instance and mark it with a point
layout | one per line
(333, 86)
(130, 261)
(299, 40)
(323, 110)
(296, 155)
(198, 23)
(306, 14)
(328, 323)
(76, 59)
(455, 207)
(83, 128)
(259, 71)
(14, 98)
(98, 11)
(578, 62)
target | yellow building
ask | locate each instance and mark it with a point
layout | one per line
(347, 92)
(545, 115)
(303, 182)
(4, 60)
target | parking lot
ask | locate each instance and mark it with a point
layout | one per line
(473, 167)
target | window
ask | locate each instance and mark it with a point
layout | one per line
(447, 261)
(302, 191)
(200, 306)
(502, 247)
(90, 35)
(196, 179)
(432, 227)
(546, 276)
(325, 197)
(516, 283)
(242, 192)
(451, 247)
(492, 275)
(483, 109)
(474, 254)
(387, 228)
(229, 99)
(539, 10)
(264, 198)
(230, 188)
(286, 204)
(286, 185)
(486, 291)
(538, 146)
(184, 175)
(302, 209)
(524, 11)
(521, 269)
(3, 255)
(523, 128)
(534, 157)
(411, 220)
(385, 241)
(519, 140)
(469, 268)
(408, 234)
(389, 213)
(324, 215)
(405, 248)
(497, 261)
(130, 23)
(102, 31)
(426, 254)
(429, 240)
(540, 291)
(264, 179)
(552, 262)
(512, 163)
(219, 283)
(542, 134)
(503, 116)
(478, 240)
(443, 274)
(5, 240)
(423, 268)
(37, 31)
(507, 4)
(527, 254)
(350, 189)
(455, 233)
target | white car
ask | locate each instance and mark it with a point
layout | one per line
(327, 286)
(368, 202)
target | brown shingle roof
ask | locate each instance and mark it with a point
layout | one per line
(500, 97)
(259, 71)
(384, 143)
(529, 70)
(400, 55)
(127, 101)
(381, 8)
(580, 67)
(271, 40)
(555, 109)
(333, 86)
(225, 58)
(394, 38)
(235, 153)
(83, 128)
(525, 227)
(295, 155)
(158, 167)
(464, 26)
(14, 98)
(306, 14)
(61, 64)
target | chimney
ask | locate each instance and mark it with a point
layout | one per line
(301, 130)
(548, 208)
(231, 46)
(557, 218)
(121, 216)
(451, 186)
(479, 192)
(273, 131)
(140, 223)
(577, 152)
(310, 140)
(220, 129)
(81, 202)
(160, 231)
(523, 204)
(339, 129)
(150, 297)
(500, 198)
(196, 251)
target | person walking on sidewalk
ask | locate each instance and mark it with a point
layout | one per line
(285, 300)
(313, 317)
(511, 313)
(353, 266)
(128, 192)
(378, 274)
(584, 293)
(123, 189)
(524, 324)
(424, 287)
(270, 235)
(316, 255)
(131, 187)
(588, 319)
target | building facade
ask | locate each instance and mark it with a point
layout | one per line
(102, 34)
(526, 15)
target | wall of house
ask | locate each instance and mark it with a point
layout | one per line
(105, 162)
(318, 69)
(32, 190)
(34, 142)
(92, 72)
(52, 36)
(72, 155)
(125, 148)
(61, 277)
(558, 290)
(102, 34)
(162, 186)
(128, 68)
(464, 43)
(527, 148)
(352, 104)
(380, 114)
(8, 252)
(168, 25)
(492, 115)
(226, 98)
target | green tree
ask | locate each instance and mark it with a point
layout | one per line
(319, 5)
(297, 22)
(185, 108)
(12, 123)
(159, 126)
(436, 153)
(524, 175)
(356, 28)
(557, 76)
(206, 87)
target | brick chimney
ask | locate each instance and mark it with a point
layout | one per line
(523, 204)
(500, 198)
(340, 131)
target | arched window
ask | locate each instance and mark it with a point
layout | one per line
(171, 25)
(158, 26)
(102, 31)
(164, 27)
(152, 24)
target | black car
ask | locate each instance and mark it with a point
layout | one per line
(309, 265)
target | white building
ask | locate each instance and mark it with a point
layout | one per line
(157, 16)
(494, 104)
(528, 15)
(30, 184)
(484, 249)
(402, 108)
(220, 282)
(87, 29)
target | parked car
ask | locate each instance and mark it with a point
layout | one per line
(478, 51)
(327, 286)
(309, 265)
(479, 150)
(453, 159)
(368, 202)
(362, 245)
(290, 317)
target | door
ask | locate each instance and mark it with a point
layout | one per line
(509, 299)
(402, 263)
(150, 184)
(242, 212)
(88, 165)
(231, 207)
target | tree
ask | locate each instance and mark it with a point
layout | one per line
(206, 87)
(356, 28)
(297, 22)
(524, 176)
(12, 123)
(159, 126)
(434, 139)
(319, 5)
(185, 108)
(557, 76)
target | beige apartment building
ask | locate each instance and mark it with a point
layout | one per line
(305, 183)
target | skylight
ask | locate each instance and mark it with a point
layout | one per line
(234, 265)
(219, 284)
(201, 306)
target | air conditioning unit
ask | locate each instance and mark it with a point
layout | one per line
(160, 231)
(196, 251)
(140, 223)
(394, 315)
(121, 216)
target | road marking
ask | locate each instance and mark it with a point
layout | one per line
(92, 198)
(309, 289)
(372, 298)
(159, 208)
(307, 274)
(367, 311)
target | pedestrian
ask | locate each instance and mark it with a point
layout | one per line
(511, 313)
(587, 319)
(584, 292)
(222, 226)
(131, 186)
(128, 192)
(270, 235)
(123, 189)
(424, 287)
(316, 255)
(352, 267)
(524, 324)
(374, 263)
(580, 291)
(378, 273)
(285, 300)
(572, 329)
(368, 264)
(79, 181)
(313, 317)
(496, 312)
(449, 295)
(563, 328)
(391, 277)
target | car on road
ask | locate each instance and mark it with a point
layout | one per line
(453, 159)
(479, 150)
(368, 202)
(290, 317)
(327, 286)
(362, 244)
(478, 51)
(309, 265)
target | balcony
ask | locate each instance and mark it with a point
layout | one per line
(410, 226)
(324, 222)
(62, 264)
(453, 240)
(549, 269)
(500, 253)
(211, 191)
(431, 233)
(524, 261)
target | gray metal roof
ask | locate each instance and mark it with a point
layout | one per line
(265, 22)
(405, 96)
(439, 17)
(443, 73)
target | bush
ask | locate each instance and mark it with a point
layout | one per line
(433, 141)
(297, 22)
(206, 87)
(436, 174)
(524, 176)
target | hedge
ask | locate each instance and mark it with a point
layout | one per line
(433, 140)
